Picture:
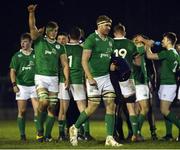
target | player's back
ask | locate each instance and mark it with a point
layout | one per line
(124, 48)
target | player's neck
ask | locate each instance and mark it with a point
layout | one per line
(26, 51)
(169, 46)
(50, 40)
(102, 36)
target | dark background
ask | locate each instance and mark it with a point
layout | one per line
(150, 17)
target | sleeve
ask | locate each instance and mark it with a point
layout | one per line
(162, 55)
(140, 50)
(13, 64)
(38, 39)
(88, 44)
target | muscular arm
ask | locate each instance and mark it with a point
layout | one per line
(65, 65)
(150, 54)
(35, 33)
(13, 80)
(85, 58)
(13, 75)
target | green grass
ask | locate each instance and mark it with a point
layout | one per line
(9, 138)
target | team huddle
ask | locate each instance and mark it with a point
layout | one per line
(101, 68)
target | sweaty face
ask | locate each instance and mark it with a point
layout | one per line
(25, 44)
(165, 42)
(52, 33)
(62, 39)
(105, 28)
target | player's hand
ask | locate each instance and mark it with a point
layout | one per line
(137, 60)
(66, 84)
(15, 89)
(113, 67)
(32, 8)
(92, 82)
(41, 30)
(139, 38)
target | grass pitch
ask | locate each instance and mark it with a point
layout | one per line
(9, 138)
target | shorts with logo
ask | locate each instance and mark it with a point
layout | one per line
(142, 92)
(167, 92)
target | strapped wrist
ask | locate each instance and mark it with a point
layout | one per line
(14, 84)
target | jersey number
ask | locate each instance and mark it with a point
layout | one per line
(175, 66)
(121, 52)
(70, 61)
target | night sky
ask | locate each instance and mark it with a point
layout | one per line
(150, 17)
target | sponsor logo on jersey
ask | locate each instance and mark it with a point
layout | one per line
(105, 55)
(47, 52)
(26, 68)
(57, 46)
(97, 39)
(20, 55)
(29, 66)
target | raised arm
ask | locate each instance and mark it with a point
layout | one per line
(150, 54)
(148, 44)
(35, 33)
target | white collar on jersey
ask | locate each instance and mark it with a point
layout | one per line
(72, 43)
(26, 52)
(48, 40)
(119, 38)
(104, 39)
(171, 48)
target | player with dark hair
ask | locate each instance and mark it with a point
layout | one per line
(96, 56)
(22, 71)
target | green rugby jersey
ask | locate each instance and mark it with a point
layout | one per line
(140, 72)
(74, 54)
(25, 68)
(125, 48)
(169, 63)
(101, 54)
(47, 56)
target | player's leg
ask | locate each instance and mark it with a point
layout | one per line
(22, 96)
(167, 94)
(79, 94)
(35, 103)
(64, 104)
(142, 97)
(43, 97)
(21, 117)
(108, 96)
(151, 119)
(93, 103)
(51, 115)
(118, 127)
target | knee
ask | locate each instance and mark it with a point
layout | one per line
(92, 106)
(163, 111)
(145, 110)
(21, 112)
(109, 98)
(43, 105)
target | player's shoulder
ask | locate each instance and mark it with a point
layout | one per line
(18, 54)
(92, 36)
